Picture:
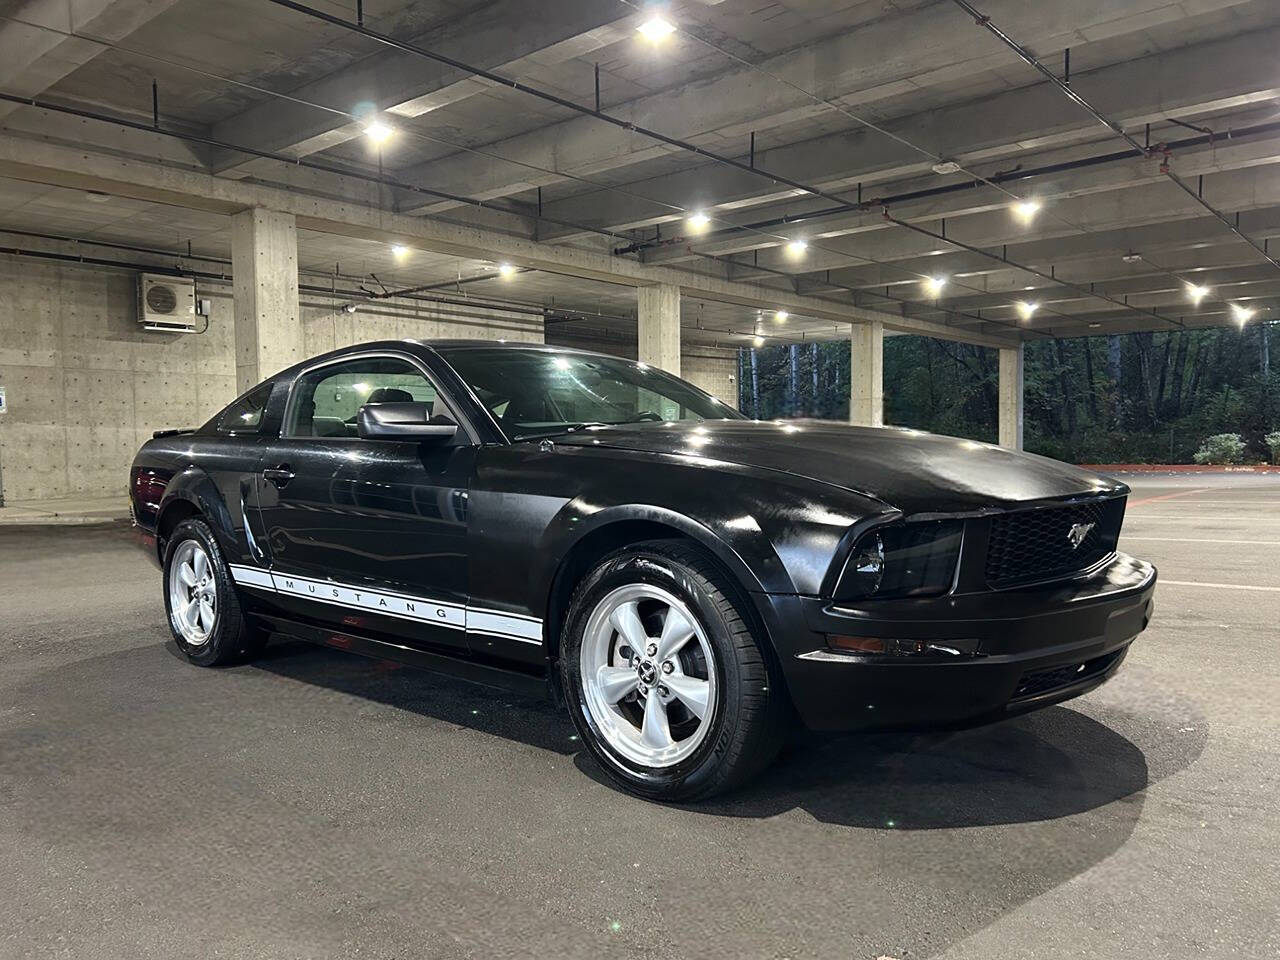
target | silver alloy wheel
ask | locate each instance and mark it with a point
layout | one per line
(650, 691)
(193, 593)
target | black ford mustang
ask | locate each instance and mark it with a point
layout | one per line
(685, 579)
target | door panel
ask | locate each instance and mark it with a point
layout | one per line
(368, 535)
(371, 534)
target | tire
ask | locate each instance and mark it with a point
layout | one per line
(745, 711)
(216, 632)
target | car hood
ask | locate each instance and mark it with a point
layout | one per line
(910, 470)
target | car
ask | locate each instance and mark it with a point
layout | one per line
(691, 584)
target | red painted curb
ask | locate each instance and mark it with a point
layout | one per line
(1182, 467)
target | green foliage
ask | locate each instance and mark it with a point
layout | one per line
(1127, 398)
(1221, 448)
(1273, 441)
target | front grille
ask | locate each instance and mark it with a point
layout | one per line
(1055, 678)
(1029, 546)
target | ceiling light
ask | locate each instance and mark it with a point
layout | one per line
(1132, 258)
(1025, 309)
(757, 341)
(1026, 209)
(506, 270)
(1242, 314)
(378, 132)
(943, 167)
(796, 248)
(935, 284)
(1095, 325)
(97, 196)
(656, 28)
(698, 220)
(781, 316)
(400, 251)
(1196, 292)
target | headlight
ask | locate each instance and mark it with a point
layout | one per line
(903, 560)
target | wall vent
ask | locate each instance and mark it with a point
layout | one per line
(166, 304)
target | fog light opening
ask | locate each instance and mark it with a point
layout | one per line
(897, 647)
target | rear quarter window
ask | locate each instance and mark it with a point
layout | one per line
(245, 415)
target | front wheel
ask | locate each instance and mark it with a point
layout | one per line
(201, 600)
(669, 684)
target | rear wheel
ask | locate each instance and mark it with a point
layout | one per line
(200, 598)
(669, 685)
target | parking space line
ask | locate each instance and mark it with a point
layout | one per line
(1216, 586)
(1261, 543)
(1169, 496)
(1216, 518)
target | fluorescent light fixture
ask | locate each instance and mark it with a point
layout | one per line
(506, 270)
(1026, 209)
(656, 28)
(400, 251)
(757, 341)
(698, 220)
(378, 132)
(943, 167)
(1026, 309)
(781, 316)
(1196, 292)
(796, 248)
(1242, 314)
(935, 284)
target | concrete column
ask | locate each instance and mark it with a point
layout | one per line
(264, 262)
(658, 313)
(866, 375)
(1011, 397)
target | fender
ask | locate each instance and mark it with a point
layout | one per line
(196, 487)
(578, 519)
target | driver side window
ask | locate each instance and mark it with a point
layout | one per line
(326, 401)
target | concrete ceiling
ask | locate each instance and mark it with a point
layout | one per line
(850, 100)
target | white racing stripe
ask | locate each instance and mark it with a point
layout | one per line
(403, 606)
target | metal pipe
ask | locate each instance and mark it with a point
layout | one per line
(1029, 58)
(296, 162)
(559, 101)
(1086, 291)
(927, 193)
(1198, 195)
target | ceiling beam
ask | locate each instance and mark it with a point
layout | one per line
(1226, 74)
(1157, 202)
(1092, 180)
(33, 59)
(879, 60)
(498, 36)
(355, 217)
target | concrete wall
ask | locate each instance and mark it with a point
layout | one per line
(327, 327)
(713, 369)
(86, 385)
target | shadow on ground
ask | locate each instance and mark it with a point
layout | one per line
(1040, 766)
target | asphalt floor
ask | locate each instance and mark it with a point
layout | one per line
(316, 804)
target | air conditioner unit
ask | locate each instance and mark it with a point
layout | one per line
(166, 304)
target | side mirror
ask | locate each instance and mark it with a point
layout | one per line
(402, 421)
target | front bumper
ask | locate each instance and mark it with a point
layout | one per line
(1035, 646)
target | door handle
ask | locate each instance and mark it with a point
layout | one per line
(280, 475)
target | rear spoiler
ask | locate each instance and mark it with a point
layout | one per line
(171, 433)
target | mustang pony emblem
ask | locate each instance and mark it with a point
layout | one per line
(1078, 532)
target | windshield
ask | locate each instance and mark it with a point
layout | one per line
(535, 393)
